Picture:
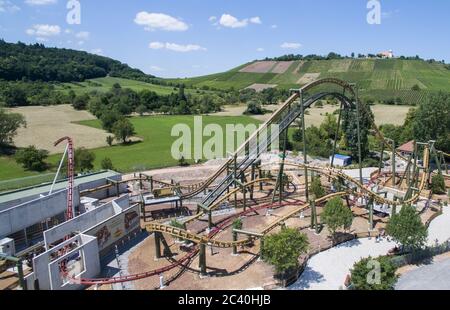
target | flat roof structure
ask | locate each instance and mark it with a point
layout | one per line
(45, 188)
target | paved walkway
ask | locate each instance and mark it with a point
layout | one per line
(328, 270)
(432, 277)
(440, 228)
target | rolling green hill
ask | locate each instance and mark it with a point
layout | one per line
(104, 84)
(378, 78)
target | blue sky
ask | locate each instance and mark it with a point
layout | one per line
(178, 38)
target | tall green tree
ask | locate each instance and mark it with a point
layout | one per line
(283, 249)
(84, 159)
(350, 128)
(407, 228)
(9, 124)
(316, 187)
(438, 184)
(432, 121)
(336, 215)
(123, 129)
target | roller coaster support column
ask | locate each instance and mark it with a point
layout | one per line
(140, 181)
(252, 188)
(157, 236)
(202, 259)
(305, 156)
(209, 219)
(234, 240)
(151, 183)
(336, 135)
(260, 176)
(244, 191)
(407, 172)
(435, 155)
(358, 123)
(370, 214)
(380, 165)
(312, 203)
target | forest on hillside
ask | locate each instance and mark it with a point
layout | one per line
(19, 61)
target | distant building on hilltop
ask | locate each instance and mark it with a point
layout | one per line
(386, 55)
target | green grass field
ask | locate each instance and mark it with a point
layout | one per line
(105, 84)
(153, 152)
(396, 76)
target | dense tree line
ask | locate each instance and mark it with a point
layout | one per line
(38, 63)
(430, 121)
(292, 57)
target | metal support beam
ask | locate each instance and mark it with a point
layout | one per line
(234, 240)
(370, 205)
(336, 135)
(157, 236)
(380, 165)
(358, 123)
(202, 259)
(312, 203)
(305, 156)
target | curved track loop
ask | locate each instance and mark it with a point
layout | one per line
(195, 189)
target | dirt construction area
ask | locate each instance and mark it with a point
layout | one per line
(45, 125)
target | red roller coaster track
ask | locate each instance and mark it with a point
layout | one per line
(180, 262)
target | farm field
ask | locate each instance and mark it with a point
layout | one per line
(384, 114)
(380, 79)
(45, 125)
(154, 151)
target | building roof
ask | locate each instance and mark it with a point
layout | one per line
(45, 188)
(340, 156)
(408, 147)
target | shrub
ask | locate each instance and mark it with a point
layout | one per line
(283, 249)
(32, 158)
(374, 274)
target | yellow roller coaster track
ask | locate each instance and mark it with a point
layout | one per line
(197, 238)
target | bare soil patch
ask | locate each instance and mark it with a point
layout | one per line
(259, 67)
(282, 67)
(45, 125)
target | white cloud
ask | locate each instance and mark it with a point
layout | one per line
(291, 45)
(8, 6)
(230, 21)
(256, 20)
(274, 26)
(176, 47)
(212, 18)
(156, 69)
(44, 30)
(156, 45)
(97, 51)
(80, 42)
(84, 35)
(41, 39)
(260, 49)
(40, 2)
(154, 21)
